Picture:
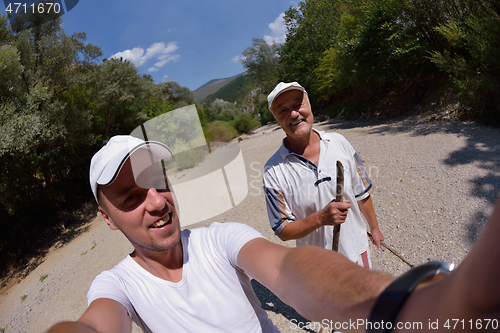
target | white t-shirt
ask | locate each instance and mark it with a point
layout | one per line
(295, 188)
(214, 295)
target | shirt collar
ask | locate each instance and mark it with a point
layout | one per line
(284, 152)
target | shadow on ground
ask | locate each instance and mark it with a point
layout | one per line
(17, 268)
(271, 302)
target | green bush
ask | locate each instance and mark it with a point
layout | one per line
(227, 114)
(245, 124)
(219, 131)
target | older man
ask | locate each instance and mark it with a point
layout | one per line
(300, 182)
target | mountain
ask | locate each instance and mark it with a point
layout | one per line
(211, 87)
(234, 92)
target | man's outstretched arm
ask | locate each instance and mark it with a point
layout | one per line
(322, 284)
(103, 316)
(318, 283)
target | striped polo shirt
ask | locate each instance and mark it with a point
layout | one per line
(295, 188)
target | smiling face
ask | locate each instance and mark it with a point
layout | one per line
(292, 112)
(145, 215)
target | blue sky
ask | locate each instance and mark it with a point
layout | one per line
(187, 41)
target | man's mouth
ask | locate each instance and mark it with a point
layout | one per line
(160, 223)
(297, 121)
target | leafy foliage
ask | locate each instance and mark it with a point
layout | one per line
(219, 131)
(245, 124)
(362, 54)
(224, 110)
(472, 58)
(262, 62)
(312, 28)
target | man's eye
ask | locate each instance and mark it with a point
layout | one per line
(131, 198)
(131, 201)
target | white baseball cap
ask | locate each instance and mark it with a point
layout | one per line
(281, 88)
(108, 161)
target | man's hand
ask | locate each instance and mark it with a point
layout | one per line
(376, 237)
(334, 213)
(103, 315)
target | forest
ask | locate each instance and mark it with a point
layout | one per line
(60, 101)
(384, 57)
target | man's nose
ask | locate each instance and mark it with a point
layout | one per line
(155, 201)
(294, 113)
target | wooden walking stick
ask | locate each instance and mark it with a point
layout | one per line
(338, 197)
(393, 252)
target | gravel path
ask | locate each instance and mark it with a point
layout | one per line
(435, 185)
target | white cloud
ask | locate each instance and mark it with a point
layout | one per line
(238, 59)
(158, 51)
(278, 31)
(278, 35)
(165, 58)
(135, 55)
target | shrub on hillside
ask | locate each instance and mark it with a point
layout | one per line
(219, 131)
(245, 124)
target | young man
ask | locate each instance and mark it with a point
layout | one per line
(195, 280)
(300, 182)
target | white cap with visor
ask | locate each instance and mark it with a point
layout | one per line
(108, 161)
(281, 88)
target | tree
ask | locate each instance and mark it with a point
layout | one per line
(312, 28)
(44, 62)
(5, 33)
(118, 95)
(44, 138)
(176, 94)
(472, 57)
(262, 61)
(225, 111)
(382, 46)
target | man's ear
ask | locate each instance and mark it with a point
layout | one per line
(110, 223)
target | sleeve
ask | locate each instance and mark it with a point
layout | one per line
(361, 184)
(277, 209)
(231, 236)
(107, 285)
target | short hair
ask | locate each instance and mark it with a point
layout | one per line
(100, 202)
